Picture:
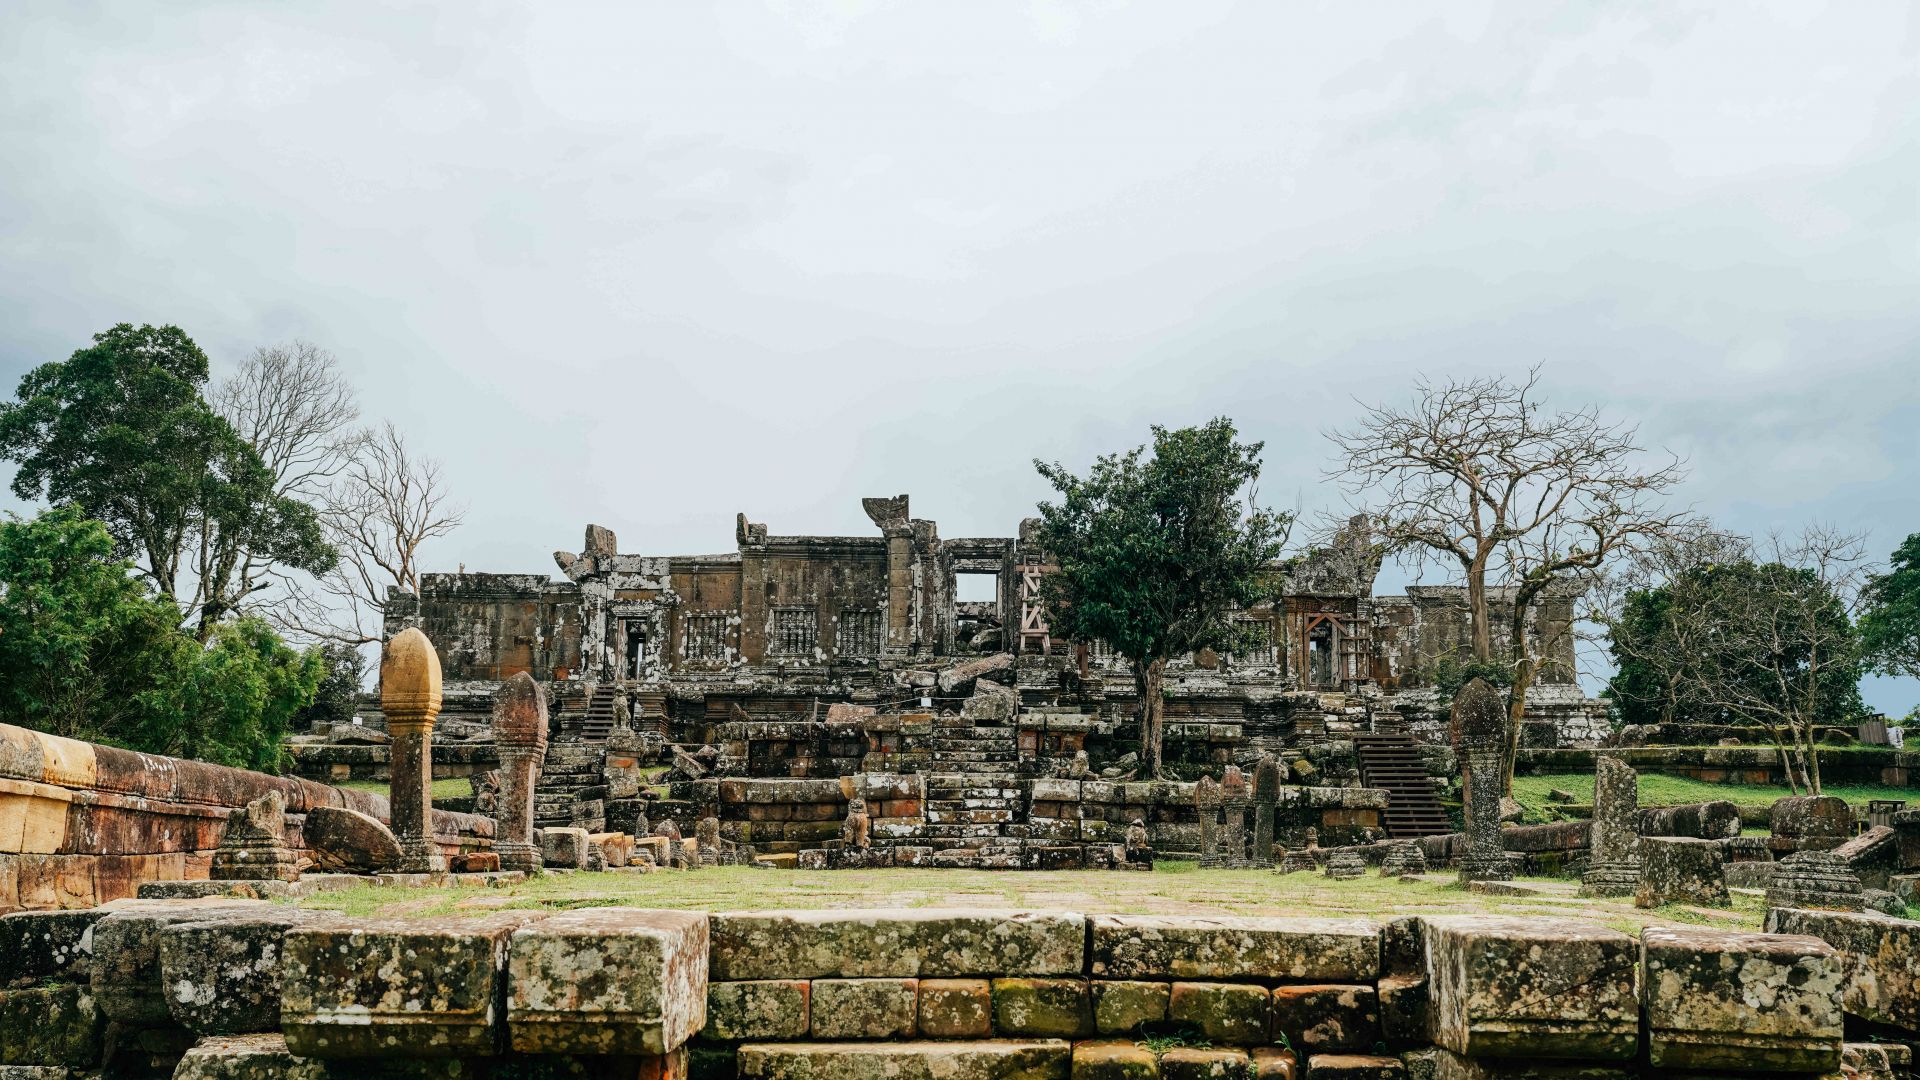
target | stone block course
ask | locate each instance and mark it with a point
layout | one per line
(1716, 999)
(997, 1059)
(758, 1009)
(903, 943)
(222, 976)
(1211, 947)
(1879, 955)
(1203, 1063)
(1113, 1059)
(1232, 1013)
(865, 1008)
(125, 970)
(1354, 1067)
(50, 1025)
(246, 1057)
(1524, 987)
(607, 981)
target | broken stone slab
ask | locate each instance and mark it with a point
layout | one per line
(758, 1009)
(1215, 947)
(349, 842)
(1718, 999)
(959, 675)
(1503, 987)
(895, 943)
(222, 976)
(865, 1008)
(986, 1059)
(397, 987)
(1681, 870)
(125, 971)
(246, 1057)
(1879, 954)
(39, 946)
(607, 981)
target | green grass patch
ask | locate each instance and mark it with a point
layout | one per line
(1659, 790)
(455, 788)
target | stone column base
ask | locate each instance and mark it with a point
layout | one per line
(421, 857)
(1611, 879)
(1481, 869)
(518, 856)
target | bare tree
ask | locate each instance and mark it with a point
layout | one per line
(386, 504)
(1481, 474)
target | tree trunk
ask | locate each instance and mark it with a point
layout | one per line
(1152, 716)
(1477, 608)
(1524, 667)
(1813, 762)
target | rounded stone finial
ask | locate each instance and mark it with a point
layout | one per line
(1206, 792)
(520, 713)
(409, 676)
(1480, 715)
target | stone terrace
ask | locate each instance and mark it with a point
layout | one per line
(232, 989)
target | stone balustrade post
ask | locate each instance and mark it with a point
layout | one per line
(410, 697)
(520, 738)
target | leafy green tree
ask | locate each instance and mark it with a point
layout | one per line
(338, 695)
(80, 636)
(121, 430)
(1154, 554)
(1890, 625)
(232, 700)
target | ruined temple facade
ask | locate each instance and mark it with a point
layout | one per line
(782, 627)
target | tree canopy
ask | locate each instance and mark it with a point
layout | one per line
(1152, 554)
(1890, 624)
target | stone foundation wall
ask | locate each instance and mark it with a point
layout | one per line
(1736, 764)
(224, 988)
(82, 824)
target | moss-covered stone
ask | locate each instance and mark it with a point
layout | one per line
(246, 1057)
(1504, 987)
(758, 1009)
(956, 1008)
(994, 1059)
(50, 1025)
(1198, 1063)
(1354, 1067)
(607, 981)
(1233, 1013)
(905, 943)
(1114, 1059)
(1273, 1063)
(1214, 947)
(864, 1008)
(222, 976)
(1716, 999)
(42, 945)
(1121, 1006)
(1053, 1008)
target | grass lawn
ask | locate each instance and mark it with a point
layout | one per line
(1172, 888)
(456, 788)
(1658, 790)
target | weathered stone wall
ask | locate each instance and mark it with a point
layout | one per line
(82, 824)
(223, 988)
(494, 626)
(1736, 764)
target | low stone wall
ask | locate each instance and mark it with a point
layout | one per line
(82, 824)
(226, 989)
(1735, 764)
(335, 762)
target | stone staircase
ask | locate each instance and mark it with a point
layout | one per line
(598, 721)
(966, 748)
(1390, 761)
(572, 788)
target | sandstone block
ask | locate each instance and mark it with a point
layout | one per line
(50, 1025)
(125, 971)
(222, 976)
(1542, 988)
(1198, 1063)
(348, 841)
(1233, 1013)
(1716, 999)
(1057, 1008)
(246, 1057)
(997, 1059)
(1681, 870)
(864, 1008)
(1327, 1017)
(607, 981)
(1273, 1063)
(955, 1009)
(562, 848)
(904, 943)
(1354, 1067)
(1433, 1063)
(1879, 955)
(1113, 1059)
(396, 987)
(1210, 947)
(758, 1009)
(1120, 1007)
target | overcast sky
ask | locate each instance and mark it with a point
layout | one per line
(648, 265)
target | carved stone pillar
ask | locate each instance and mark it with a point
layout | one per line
(1266, 797)
(1613, 845)
(1233, 832)
(1480, 716)
(1206, 800)
(520, 738)
(410, 696)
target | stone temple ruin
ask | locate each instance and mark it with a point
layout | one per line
(794, 675)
